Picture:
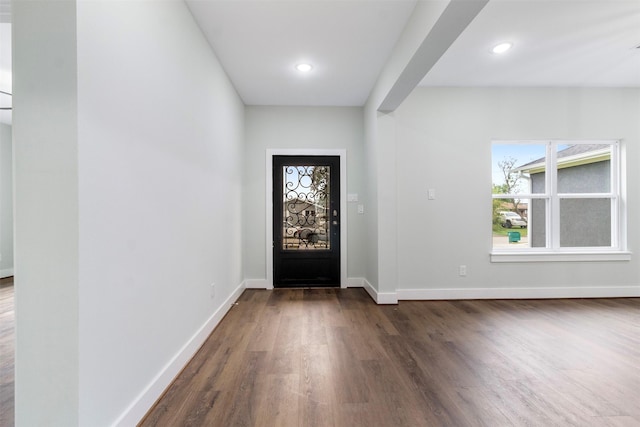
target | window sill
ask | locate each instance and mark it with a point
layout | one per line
(560, 256)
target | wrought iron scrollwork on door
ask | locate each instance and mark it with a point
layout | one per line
(306, 207)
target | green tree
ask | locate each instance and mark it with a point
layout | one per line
(512, 180)
(498, 204)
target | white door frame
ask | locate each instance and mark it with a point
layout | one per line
(269, 205)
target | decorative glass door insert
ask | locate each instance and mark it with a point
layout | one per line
(306, 216)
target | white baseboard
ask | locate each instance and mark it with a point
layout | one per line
(141, 405)
(7, 272)
(370, 290)
(380, 297)
(387, 298)
(479, 293)
(493, 293)
(256, 284)
(355, 282)
(519, 293)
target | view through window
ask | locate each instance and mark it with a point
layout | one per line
(555, 195)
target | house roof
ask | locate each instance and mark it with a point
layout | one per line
(570, 156)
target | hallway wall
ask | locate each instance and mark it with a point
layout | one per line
(160, 170)
(129, 158)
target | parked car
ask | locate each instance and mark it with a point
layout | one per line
(311, 235)
(511, 219)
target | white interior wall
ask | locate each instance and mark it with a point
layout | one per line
(128, 151)
(371, 193)
(46, 213)
(300, 128)
(6, 201)
(380, 159)
(160, 171)
(444, 140)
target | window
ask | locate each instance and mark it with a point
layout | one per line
(556, 197)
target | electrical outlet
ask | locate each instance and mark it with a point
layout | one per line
(213, 290)
(462, 270)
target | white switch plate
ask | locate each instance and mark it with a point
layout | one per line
(360, 209)
(462, 270)
(431, 193)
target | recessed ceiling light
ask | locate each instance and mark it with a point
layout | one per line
(304, 68)
(502, 47)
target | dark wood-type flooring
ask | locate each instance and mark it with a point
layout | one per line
(7, 351)
(327, 357)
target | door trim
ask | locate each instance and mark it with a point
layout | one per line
(269, 204)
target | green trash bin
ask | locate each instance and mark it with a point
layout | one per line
(514, 236)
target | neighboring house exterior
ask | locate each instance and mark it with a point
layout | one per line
(304, 224)
(584, 168)
(303, 213)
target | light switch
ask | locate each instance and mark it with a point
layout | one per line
(360, 209)
(431, 194)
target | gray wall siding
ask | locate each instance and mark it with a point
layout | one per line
(583, 222)
(589, 178)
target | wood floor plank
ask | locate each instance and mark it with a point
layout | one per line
(280, 407)
(285, 356)
(391, 405)
(313, 322)
(266, 330)
(348, 378)
(244, 394)
(479, 408)
(317, 399)
(615, 421)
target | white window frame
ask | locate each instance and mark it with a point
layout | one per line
(553, 251)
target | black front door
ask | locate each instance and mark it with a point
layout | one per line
(306, 221)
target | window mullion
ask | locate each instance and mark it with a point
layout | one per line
(553, 212)
(586, 195)
(615, 189)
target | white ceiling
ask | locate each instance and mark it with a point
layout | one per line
(260, 42)
(571, 43)
(585, 43)
(577, 43)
